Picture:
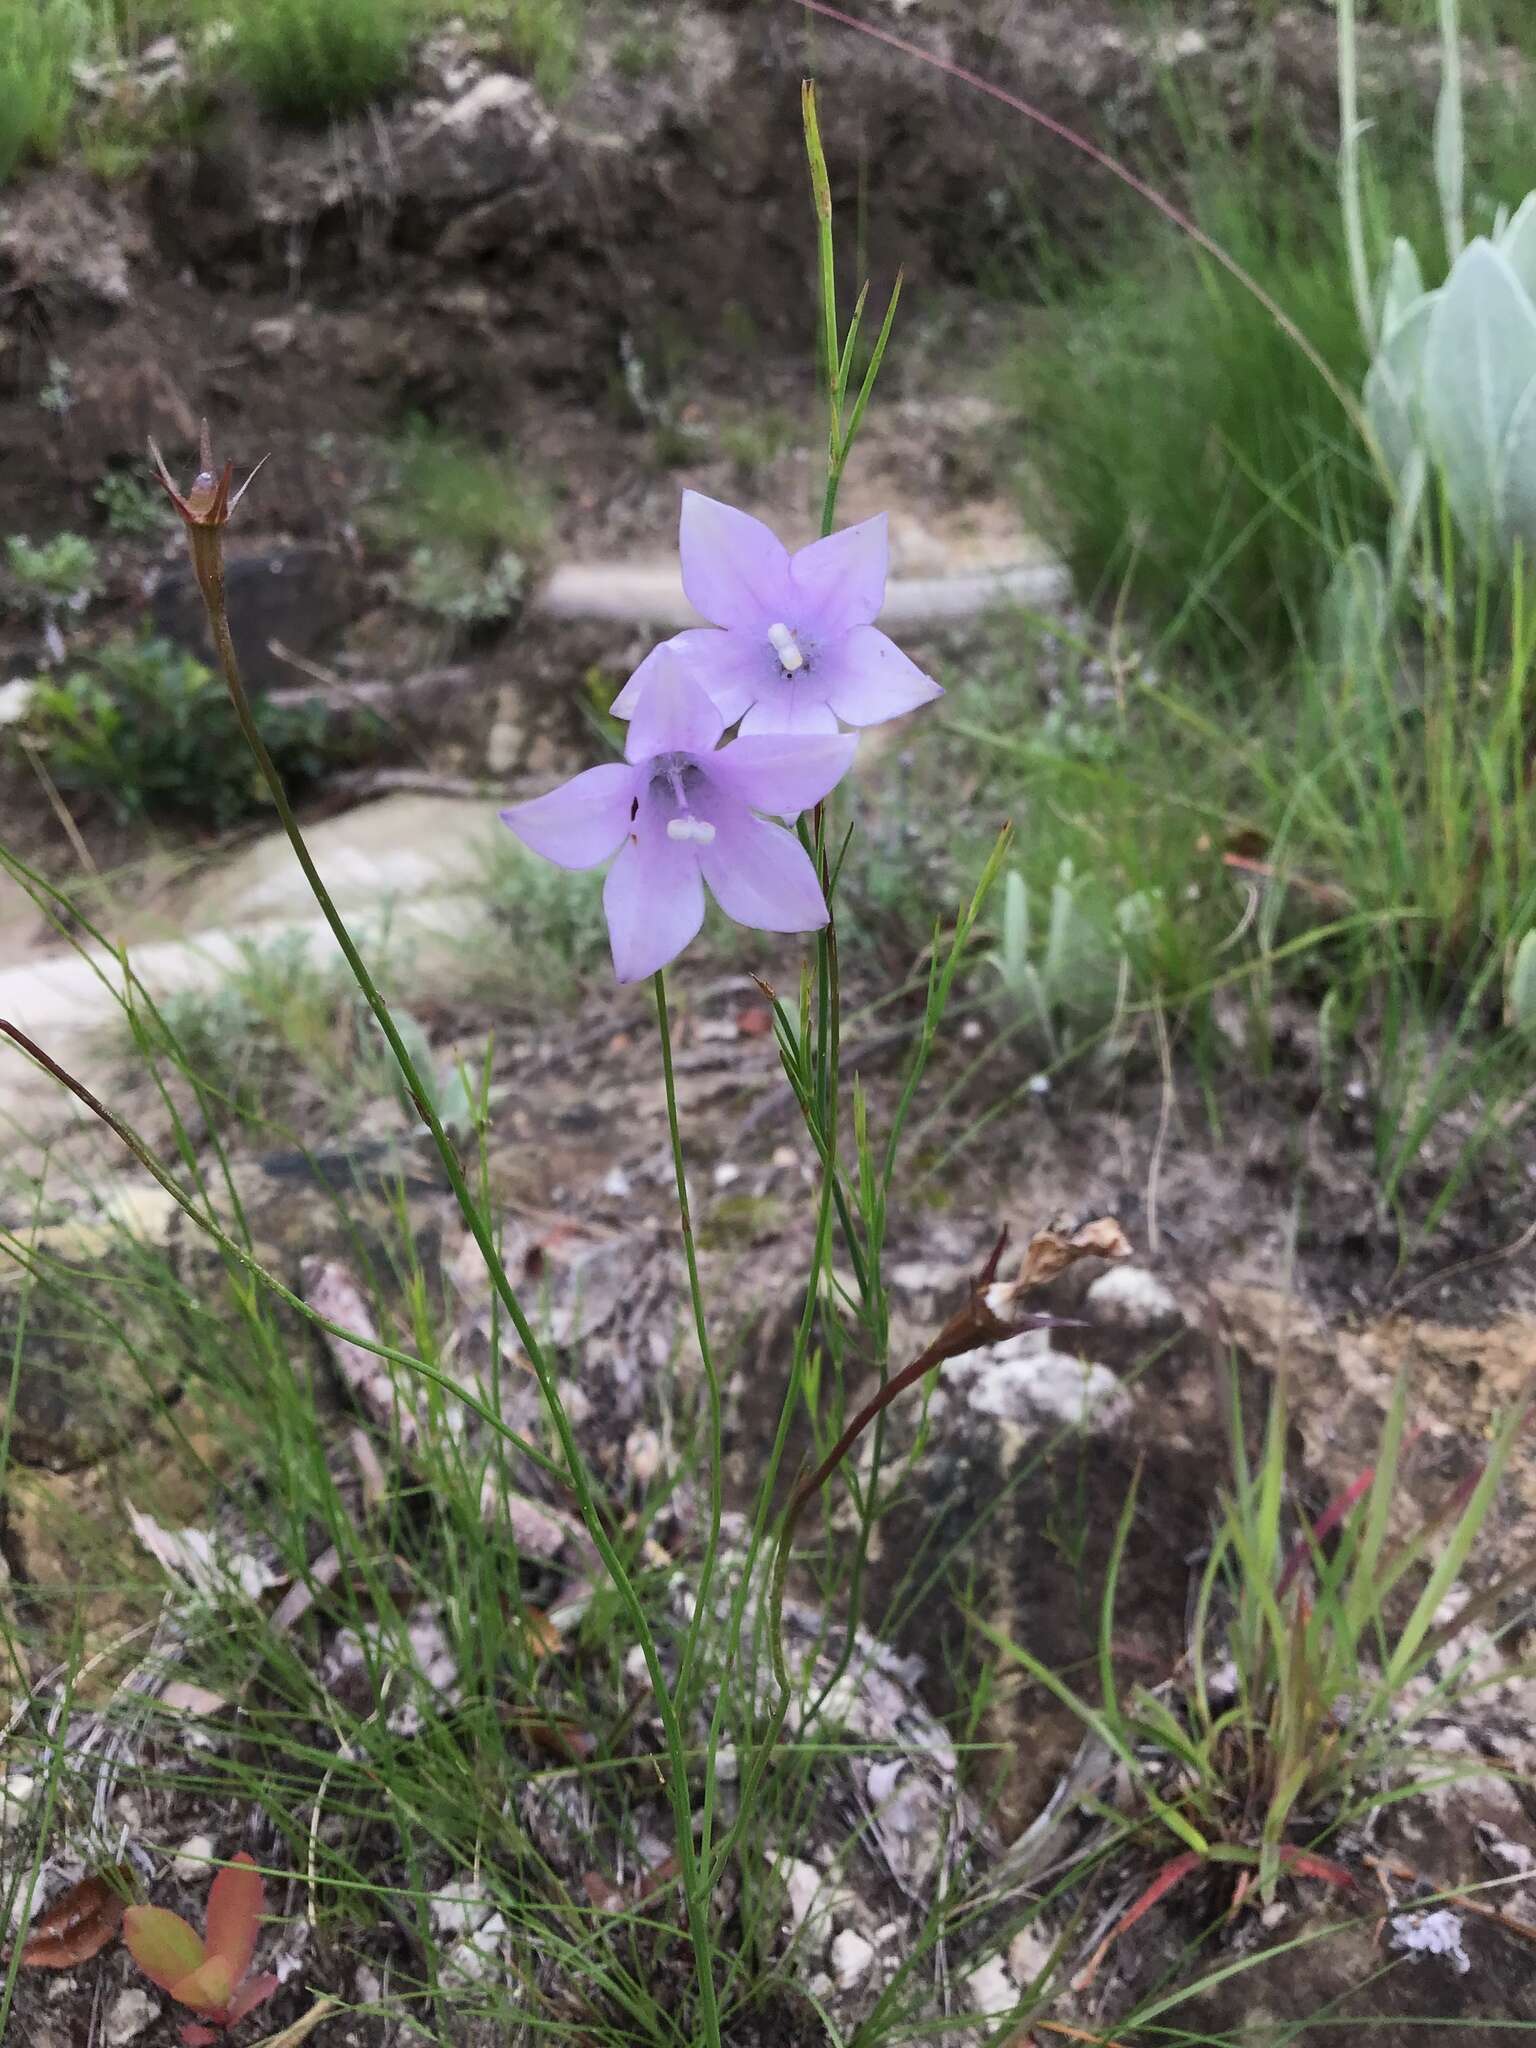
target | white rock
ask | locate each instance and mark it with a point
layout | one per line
(851, 1958)
(642, 1454)
(193, 1857)
(990, 1990)
(1133, 1298)
(802, 1881)
(272, 338)
(492, 95)
(1029, 1956)
(1044, 1388)
(132, 2012)
(1432, 1934)
(16, 700)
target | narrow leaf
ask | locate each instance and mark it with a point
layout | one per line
(234, 1914)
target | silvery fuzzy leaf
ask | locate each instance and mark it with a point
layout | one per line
(1479, 357)
(1450, 152)
(1405, 514)
(1517, 243)
(1354, 611)
(1522, 987)
(1516, 501)
(1402, 286)
(1393, 384)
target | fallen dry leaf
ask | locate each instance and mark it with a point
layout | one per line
(1049, 1254)
(331, 1291)
(81, 1923)
(540, 1634)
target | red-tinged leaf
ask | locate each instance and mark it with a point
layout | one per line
(78, 1925)
(234, 1915)
(165, 1948)
(1172, 1873)
(194, 2036)
(253, 1992)
(208, 1988)
(1302, 1863)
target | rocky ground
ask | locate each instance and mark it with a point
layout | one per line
(595, 286)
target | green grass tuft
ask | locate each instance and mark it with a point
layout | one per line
(39, 42)
(310, 59)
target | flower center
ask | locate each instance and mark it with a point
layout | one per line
(787, 648)
(674, 775)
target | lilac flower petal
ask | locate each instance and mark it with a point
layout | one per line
(840, 581)
(761, 875)
(733, 669)
(735, 570)
(582, 821)
(867, 678)
(784, 773)
(654, 902)
(790, 707)
(672, 715)
(699, 649)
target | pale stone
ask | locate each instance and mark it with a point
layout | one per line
(989, 1988)
(851, 1957)
(131, 2013)
(1133, 1298)
(193, 1858)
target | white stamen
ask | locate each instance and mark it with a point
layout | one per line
(790, 657)
(689, 827)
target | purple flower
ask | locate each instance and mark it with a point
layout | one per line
(793, 647)
(681, 807)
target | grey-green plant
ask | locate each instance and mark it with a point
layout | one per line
(131, 508)
(144, 727)
(1451, 391)
(60, 574)
(447, 582)
(1066, 963)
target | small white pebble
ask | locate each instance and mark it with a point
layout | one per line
(642, 1454)
(990, 1990)
(193, 1857)
(131, 2013)
(1029, 1956)
(1132, 1297)
(851, 1957)
(726, 1173)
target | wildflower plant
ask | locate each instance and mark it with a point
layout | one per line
(792, 656)
(209, 1973)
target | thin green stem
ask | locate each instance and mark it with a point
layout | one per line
(706, 1355)
(208, 563)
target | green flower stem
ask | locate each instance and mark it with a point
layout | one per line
(208, 564)
(711, 1376)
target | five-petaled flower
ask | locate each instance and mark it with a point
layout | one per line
(681, 807)
(793, 646)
